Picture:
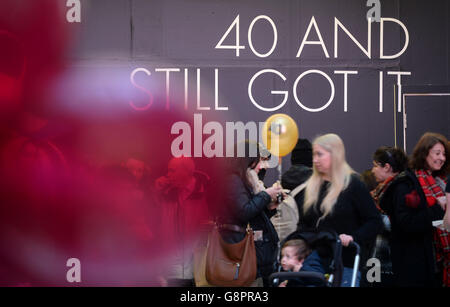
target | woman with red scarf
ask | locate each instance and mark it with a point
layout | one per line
(388, 163)
(413, 201)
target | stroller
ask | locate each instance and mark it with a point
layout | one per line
(328, 246)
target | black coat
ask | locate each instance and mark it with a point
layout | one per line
(243, 207)
(412, 251)
(354, 214)
(295, 176)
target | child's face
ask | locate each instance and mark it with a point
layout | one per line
(289, 259)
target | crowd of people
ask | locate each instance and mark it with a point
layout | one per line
(398, 212)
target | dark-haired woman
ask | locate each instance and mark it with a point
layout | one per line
(388, 163)
(249, 202)
(413, 201)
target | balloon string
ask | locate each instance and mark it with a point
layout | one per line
(279, 211)
(280, 159)
(279, 153)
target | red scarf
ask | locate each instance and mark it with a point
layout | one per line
(429, 186)
(379, 191)
(441, 237)
(442, 245)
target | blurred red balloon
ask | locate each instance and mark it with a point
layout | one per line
(65, 191)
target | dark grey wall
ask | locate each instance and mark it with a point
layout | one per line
(118, 36)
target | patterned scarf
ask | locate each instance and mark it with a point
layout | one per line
(442, 245)
(429, 186)
(378, 193)
(441, 237)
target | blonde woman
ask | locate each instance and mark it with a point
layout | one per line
(334, 198)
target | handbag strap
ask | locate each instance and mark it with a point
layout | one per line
(233, 227)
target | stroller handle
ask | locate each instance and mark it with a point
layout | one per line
(301, 275)
(356, 263)
(356, 246)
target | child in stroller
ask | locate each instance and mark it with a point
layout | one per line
(325, 247)
(296, 256)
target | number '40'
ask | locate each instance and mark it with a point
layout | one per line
(238, 47)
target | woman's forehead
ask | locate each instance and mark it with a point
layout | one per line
(317, 147)
(437, 149)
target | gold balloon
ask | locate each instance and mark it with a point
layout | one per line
(280, 134)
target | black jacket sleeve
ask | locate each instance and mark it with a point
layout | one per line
(371, 222)
(245, 205)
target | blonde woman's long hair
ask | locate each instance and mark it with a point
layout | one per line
(340, 175)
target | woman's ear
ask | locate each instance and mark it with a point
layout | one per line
(387, 168)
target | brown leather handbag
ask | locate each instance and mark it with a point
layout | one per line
(230, 265)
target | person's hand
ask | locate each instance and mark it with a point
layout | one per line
(284, 191)
(273, 191)
(442, 201)
(345, 239)
(283, 284)
(162, 183)
(273, 205)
